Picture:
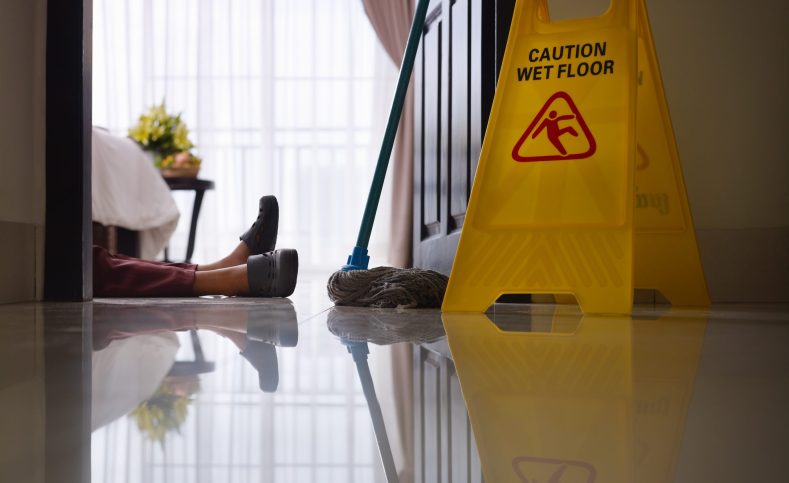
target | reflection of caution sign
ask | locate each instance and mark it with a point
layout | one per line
(587, 90)
(531, 470)
(547, 407)
(557, 132)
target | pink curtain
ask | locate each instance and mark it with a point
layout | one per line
(391, 20)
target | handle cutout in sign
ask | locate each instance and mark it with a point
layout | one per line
(572, 9)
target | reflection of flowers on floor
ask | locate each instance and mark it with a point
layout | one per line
(167, 137)
(167, 409)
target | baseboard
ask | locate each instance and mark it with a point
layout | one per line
(18, 247)
(746, 265)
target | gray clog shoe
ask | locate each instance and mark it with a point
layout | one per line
(262, 235)
(273, 274)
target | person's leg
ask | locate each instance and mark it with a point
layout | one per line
(119, 276)
(121, 256)
(237, 257)
(273, 274)
(260, 238)
(222, 281)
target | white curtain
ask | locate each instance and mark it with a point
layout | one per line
(282, 96)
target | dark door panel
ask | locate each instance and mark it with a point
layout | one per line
(455, 79)
(457, 126)
(431, 165)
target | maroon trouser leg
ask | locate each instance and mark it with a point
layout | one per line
(122, 276)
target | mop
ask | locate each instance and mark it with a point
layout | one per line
(387, 286)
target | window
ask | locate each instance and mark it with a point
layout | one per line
(288, 97)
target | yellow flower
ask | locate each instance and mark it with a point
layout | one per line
(159, 113)
(156, 132)
(181, 137)
(140, 133)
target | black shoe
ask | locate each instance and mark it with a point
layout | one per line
(273, 274)
(262, 236)
(263, 358)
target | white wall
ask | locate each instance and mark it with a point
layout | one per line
(22, 63)
(726, 75)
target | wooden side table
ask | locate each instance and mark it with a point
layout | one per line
(199, 186)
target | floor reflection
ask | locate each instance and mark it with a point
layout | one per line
(244, 390)
(557, 396)
(386, 326)
(183, 401)
(45, 375)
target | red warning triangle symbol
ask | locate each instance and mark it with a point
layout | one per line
(558, 132)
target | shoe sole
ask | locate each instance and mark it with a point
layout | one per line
(270, 208)
(268, 212)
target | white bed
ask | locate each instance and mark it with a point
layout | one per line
(129, 192)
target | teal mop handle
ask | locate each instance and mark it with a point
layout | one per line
(359, 257)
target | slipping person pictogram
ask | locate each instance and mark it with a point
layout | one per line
(551, 125)
(560, 122)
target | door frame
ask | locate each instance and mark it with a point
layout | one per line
(68, 264)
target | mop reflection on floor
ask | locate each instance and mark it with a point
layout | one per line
(355, 327)
(359, 351)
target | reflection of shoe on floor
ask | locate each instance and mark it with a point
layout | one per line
(262, 236)
(263, 358)
(273, 274)
(278, 326)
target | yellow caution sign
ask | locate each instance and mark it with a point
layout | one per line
(552, 208)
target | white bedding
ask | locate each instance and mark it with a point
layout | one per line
(129, 192)
(127, 372)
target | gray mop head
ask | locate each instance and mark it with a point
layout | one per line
(388, 287)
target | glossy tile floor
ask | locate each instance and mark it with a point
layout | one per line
(252, 390)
